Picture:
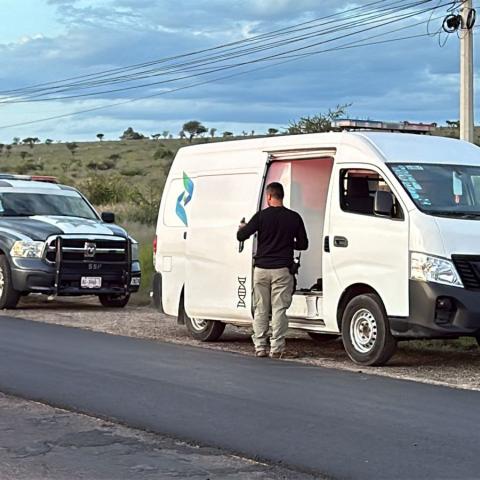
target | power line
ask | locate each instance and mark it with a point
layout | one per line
(226, 67)
(175, 57)
(206, 82)
(223, 56)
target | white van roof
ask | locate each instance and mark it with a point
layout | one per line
(385, 146)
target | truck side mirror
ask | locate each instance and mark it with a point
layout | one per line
(383, 204)
(108, 217)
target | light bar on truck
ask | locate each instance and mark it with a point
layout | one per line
(406, 127)
(29, 178)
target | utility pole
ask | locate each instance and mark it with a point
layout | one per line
(466, 75)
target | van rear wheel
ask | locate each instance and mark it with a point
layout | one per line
(203, 330)
(366, 332)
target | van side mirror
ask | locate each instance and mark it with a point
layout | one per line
(383, 204)
(108, 217)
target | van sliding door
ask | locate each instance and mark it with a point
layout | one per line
(218, 282)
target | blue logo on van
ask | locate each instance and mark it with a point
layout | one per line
(184, 199)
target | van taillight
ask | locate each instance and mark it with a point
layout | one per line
(155, 245)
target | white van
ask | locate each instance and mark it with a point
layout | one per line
(393, 221)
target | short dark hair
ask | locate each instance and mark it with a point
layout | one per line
(275, 189)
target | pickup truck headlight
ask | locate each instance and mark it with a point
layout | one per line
(27, 249)
(135, 255)
(428, 268)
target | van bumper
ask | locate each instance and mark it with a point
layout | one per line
(438, 311)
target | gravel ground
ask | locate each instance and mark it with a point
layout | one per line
(41, 442)
(454, 364)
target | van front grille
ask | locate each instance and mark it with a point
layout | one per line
(468, 267)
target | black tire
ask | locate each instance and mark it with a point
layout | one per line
(322, 338)
(114, 301)
(203, 330)
(366, 332)
(8, 296)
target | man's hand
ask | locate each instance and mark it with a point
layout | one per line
(242, 224)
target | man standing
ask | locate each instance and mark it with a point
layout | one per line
(280, 232)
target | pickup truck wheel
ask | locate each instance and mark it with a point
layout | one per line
(8, 296)
(366, 332)
(114, 301)
(322, 338)
(203, 330)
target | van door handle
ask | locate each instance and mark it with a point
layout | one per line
(340, 242)
(184, 235)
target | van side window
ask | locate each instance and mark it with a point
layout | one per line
(357, 192)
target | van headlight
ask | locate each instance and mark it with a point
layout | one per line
(27, 249)
(428, 268)
(135, 256)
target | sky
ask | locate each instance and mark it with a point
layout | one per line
(50, 40)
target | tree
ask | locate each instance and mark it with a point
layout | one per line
(48, 141)
(272, 131)
(29, 141)
(212, 132)
(227, 134)
(72, 146)
(1, 148)
(193, 128)
(318, 123)
(155, 136)
(16, 140)
(453, 123)
(100, 136)
(24, 154)
(131, 134)
(165, 134)
(9, 150)
(170, 136)
(181, 134)
(252, 133)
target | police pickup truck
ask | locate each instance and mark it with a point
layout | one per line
(53, 242)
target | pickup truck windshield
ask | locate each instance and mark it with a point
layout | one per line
(442, 190)
(16, 204)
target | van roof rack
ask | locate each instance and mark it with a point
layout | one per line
(29, 178)
(372, 125)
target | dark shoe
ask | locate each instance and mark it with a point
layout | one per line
(261, 353)
(277, 355)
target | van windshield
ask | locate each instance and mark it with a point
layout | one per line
(442, 190)
(17, 204)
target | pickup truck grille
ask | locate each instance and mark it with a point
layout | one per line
(468, 267)
(88, 250)
(105, 257)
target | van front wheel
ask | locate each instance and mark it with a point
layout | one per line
(203, 330)
(366, 332)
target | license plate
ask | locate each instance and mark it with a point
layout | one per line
(91, 282)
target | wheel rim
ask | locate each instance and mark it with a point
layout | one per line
(363, 331)
(2, 282)
(199, 324)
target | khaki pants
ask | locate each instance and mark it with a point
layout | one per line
(272, 292)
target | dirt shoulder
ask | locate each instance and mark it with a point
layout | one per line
(42, 442)
(453, 364)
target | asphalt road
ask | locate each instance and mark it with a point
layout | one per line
(340, 424)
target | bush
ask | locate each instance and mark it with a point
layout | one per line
(162, 153)
(132, 172)
(29, 166)
(145, 203)
(104, 165)
(102, 189)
